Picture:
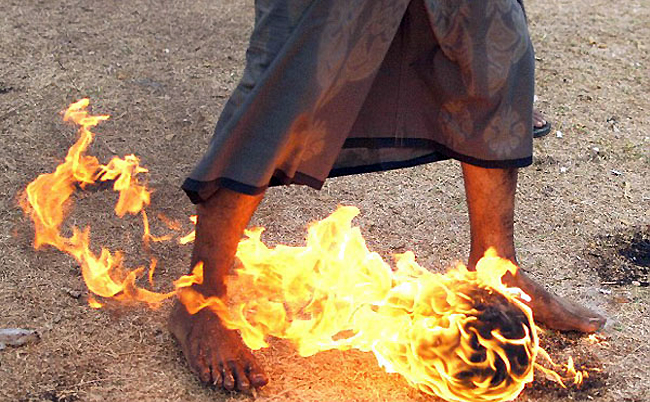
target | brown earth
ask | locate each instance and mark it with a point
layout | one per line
(164, 69)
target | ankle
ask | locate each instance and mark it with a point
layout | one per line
(476, 253)
(211, 289)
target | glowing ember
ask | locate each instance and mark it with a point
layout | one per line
(463, 336)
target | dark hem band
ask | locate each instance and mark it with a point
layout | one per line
(384, 166)
(199, 191)
(389, 142)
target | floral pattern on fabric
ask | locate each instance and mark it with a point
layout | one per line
(505, 45)
(353, 47)
(456, 121)
(506, 132)
(452, 22)
(453, 77)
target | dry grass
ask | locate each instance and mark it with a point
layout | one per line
(164, 70)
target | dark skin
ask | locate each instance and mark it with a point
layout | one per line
(218, 356)
(490, 197)
(538, 119)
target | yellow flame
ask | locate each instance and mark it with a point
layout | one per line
(133, 196)
(93, 303)
(438, 331)
(189, 238)
(562, 373)
(463, 336)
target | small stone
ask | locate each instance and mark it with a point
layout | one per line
(636, 283)
(563, 169)
(616, 172)
(559, 134)
(73, 293)
(17, 337)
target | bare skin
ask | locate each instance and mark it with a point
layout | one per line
(538, 119)
(218, 356)
(491, 203)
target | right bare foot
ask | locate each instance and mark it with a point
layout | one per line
(215, 354)
(554, 311)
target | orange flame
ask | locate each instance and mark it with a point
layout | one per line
(570, 373)
(45, 200)
(438, 331)
(147, 236)
(189, 238)
(133, 196)
(463, 336)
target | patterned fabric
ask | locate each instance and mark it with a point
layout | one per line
(350, 86)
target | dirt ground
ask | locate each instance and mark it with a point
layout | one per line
(163, 70)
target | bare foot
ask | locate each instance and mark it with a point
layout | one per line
(541, 127)
(215, 354)
(538, 119)
(555, 312)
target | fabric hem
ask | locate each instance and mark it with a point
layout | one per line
(385, 166)
(200, 191)
(447, 153)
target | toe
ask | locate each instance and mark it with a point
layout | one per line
(596, 323)
(241, 380)
(256, 375)
(214, 354)
(228, 379)
(201, 369)
(195, 359)
(217, 374)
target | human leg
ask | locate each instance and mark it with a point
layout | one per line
(491, 203)
(215, 354)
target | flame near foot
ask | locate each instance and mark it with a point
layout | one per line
(463, 336)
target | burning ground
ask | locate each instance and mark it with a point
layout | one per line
(164, 73)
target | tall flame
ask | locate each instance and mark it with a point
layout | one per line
(463, 336)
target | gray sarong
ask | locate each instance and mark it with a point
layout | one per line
(336, 87)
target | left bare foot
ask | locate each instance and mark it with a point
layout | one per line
(541, 127)
(538, 119)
